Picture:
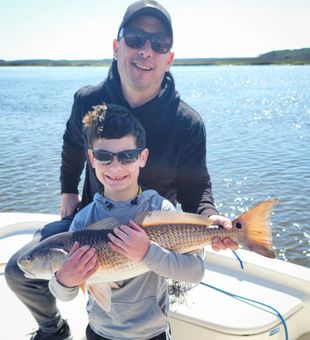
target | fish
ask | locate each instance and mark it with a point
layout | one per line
(173, 230)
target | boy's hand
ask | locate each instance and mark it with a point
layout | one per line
(131, 241)
(78, 266)
(227, 243)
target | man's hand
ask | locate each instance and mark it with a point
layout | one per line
(69, 203)
(227, 243)
(131, 241)
(78, 266)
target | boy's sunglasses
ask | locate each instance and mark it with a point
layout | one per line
(124, 157)
(134, 38)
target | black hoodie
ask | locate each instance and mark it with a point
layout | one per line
(175, 136)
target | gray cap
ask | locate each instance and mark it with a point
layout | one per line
(147, 7)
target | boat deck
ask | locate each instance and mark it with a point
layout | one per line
(16, 321)
(204, 313)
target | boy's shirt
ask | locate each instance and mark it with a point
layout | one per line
(124, 211)
(139, 307)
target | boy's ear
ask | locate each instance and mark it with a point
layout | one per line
(115, 49)
(91, 158)
(143, 157)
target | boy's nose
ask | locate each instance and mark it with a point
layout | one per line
(115, 163)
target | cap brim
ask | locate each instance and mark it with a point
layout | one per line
(151, 12)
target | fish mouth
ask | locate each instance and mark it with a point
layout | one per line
(27, 273)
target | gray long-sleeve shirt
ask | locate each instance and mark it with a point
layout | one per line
(140, 306)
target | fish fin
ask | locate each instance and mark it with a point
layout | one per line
(114, 285)
(2, 267)
(162, 217)
(83, 287)
(194, 251)
(102, 294)
(106, 223)
(256, 226)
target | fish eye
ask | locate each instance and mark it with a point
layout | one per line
(27, 258)
(238, 225)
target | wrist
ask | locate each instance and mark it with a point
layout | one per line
(147, 249)
(60, 281)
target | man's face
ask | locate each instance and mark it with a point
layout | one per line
(142, 69)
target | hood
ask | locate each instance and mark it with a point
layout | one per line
(123, 210)
(166, 97)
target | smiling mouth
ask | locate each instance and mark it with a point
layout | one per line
(142, 67)
(116, 178)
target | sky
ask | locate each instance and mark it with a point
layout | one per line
(85, 29)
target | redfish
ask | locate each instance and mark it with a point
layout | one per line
(176, 231)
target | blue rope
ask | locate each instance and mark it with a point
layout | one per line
(238, 258)
(244, 299)
(250, 300)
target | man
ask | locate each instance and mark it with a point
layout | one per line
(139, 79)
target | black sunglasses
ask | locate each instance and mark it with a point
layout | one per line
(134, 38)
(124, 157)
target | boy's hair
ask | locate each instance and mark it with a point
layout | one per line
(112, 121)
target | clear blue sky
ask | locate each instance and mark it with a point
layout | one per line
(84, 29)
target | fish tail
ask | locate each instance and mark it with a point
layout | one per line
(255, 225)
(2, 267)
(83, 287)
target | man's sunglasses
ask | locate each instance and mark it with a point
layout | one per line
(124, 157)
(135, 38)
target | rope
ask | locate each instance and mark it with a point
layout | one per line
(244, 299)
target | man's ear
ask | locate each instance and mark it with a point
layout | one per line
(143, 157)
(169, 62)
(91, 158)
(115, 49)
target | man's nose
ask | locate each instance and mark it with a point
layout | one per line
(146, 50)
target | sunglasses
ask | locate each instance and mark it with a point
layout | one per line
(134, 38)
(124, 157)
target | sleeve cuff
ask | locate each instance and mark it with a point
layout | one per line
(60, 291)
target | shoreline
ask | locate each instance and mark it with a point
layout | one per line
(282, 57)
(177, 62)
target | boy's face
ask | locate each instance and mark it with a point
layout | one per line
(120, 180)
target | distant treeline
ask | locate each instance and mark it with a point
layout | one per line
(292, 57)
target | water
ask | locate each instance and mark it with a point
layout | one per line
(258, 126)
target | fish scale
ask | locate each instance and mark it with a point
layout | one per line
(98, 240)
(181, 237)
(175, 231)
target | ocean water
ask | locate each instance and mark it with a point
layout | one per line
(258, 128)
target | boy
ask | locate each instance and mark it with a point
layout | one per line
(140, 305)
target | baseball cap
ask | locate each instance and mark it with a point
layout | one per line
(147, 7)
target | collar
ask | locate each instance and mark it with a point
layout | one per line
(109, 203)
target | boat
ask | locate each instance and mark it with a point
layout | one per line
(244, 297)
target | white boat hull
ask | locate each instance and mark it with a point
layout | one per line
(203, 312)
